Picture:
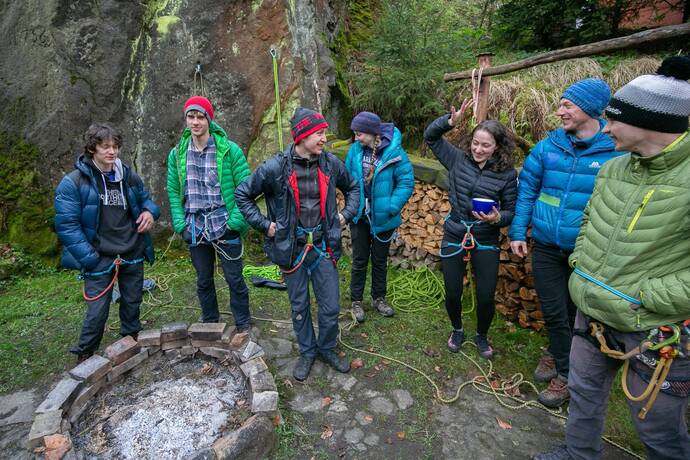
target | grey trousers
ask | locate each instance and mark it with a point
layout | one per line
(664, 431)
(324, 281)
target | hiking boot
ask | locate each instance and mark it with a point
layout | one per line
(302, 368)
(556, 393)
(557, 453)
(382, 306)
(485, 350)
(331, 358)
(455, 340)
(81, 357)
(358, 310)
(546, 369)
(243, 328)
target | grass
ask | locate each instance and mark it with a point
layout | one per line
(41, 316)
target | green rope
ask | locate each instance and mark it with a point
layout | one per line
(271, 272)
(279, 121)
(421, 290)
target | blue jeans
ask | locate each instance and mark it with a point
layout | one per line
(130, 280)
(204, 262)
(324, 280)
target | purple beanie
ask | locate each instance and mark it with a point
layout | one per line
(366, 122)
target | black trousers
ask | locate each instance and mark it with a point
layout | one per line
(551, 273)
(365, 246)
(485, 271)
(130, 280)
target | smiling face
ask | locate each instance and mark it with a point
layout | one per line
(482, 147)
(625, 136)
(573, 119)
(197, 123)
(365, 139)
(313, 143)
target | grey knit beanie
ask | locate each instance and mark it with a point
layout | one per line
(658, 102)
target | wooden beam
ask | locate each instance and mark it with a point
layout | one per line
(660, 33)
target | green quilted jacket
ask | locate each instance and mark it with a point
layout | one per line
(233, 169)
(635, 237)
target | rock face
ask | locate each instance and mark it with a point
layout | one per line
(66, 63)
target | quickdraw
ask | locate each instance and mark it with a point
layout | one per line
(467, 244)
(113, 266)
(665, 340)
(308, 247)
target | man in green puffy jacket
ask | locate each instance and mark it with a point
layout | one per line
(632, 271)
(203, 171)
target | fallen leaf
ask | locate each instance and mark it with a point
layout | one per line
(389, 441)
(437, 369)
(503, 424)
(287, 383)
(57, 446)
(373, 374)
(377, 367)
(356, 363)
(369, 418)
(327, 432)
(401, 435)
(326, 401)
(277, 420)
(431, 353)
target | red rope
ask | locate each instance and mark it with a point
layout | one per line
(109, 287)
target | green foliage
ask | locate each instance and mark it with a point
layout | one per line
(413, 43)
(26, 211)
(534, 24)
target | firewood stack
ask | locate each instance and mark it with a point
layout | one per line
(419, 242)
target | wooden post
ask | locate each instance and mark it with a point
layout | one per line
(484, 84)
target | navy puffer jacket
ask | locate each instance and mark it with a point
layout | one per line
(466, 180)
(77, 214)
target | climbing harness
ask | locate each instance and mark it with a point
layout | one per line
(205, 236)
(613, 291)
(467, 244)
(393, 236)
(200, 89)
(115, 265)
(309, 246)
(279, 122)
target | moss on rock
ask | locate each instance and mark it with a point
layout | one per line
(26, 209)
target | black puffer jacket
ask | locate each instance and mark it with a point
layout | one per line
(466, 181)
(275, 178)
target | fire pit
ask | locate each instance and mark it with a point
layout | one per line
(179, 392)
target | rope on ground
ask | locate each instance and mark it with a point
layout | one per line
(422, 289)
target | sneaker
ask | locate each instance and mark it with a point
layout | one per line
(557, 453)
(455, 340)
(546, 369)
(556, 393)
(331, 358)
(485, 350)
(358, 310)
(382, 306)
(302, 368)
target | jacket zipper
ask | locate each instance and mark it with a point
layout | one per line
(563, 198)
(636, 217)
(373, 179)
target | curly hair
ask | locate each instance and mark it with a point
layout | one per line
(504, 155)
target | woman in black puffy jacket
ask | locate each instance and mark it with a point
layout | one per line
(482, 169)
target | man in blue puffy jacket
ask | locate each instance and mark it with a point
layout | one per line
(555, 184)
(102, 216)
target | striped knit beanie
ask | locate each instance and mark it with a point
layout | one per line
(305, 122)
(659, 102)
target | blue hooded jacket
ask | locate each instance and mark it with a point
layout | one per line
(392, 184)
(555, 184)
(77, 214)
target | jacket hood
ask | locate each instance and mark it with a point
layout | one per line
(88, 167)
(600, 142)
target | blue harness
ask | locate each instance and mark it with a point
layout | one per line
(322, 252)
(118, 261)
(467, 244)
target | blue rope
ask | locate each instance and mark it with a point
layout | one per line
(612, 290)
(393, 236)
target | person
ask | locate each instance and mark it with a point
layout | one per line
(555, 183)
(204, 169)
(482, 169)
(386, 181)
(103, 214)
(632, 270)
(302, 229)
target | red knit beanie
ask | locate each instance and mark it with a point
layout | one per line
(305, 122)
(200, 104)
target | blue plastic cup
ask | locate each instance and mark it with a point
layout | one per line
(483, 205)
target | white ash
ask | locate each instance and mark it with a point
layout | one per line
(168, 419)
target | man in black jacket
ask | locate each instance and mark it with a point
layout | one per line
(303, 231)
